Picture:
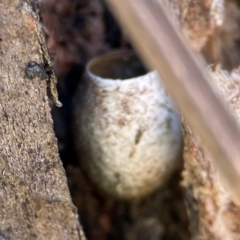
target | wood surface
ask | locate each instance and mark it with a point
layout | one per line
(34, 198)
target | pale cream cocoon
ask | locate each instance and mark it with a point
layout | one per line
(127, 130)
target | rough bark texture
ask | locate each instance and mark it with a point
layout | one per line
(223, 46)
(213, 209)
(198, 19)
(212, 27)
(34, 198)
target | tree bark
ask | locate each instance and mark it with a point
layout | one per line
(213, 208)
(213, 27)
(34, 198)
